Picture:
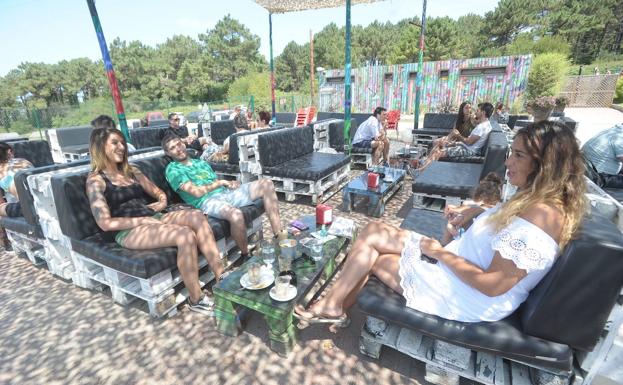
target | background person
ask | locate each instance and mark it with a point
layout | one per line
(370, 134)
(487, 273)
(105, 121)
(463, 126)
(9, 165)
(191, 141)
(116, 193)
(605, 151)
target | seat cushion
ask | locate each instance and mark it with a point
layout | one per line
(76, 149)
(360, 150)
(20, 225)
(448, 178)
(145, 137)
(225, 167)
(464, 159)
(35, 151)
(280, 146)
(432, 131)
(616, 193)
(220, 130)
(313, 166)
(440, 120)
(428, 222)
(102, 248)
(503, 338)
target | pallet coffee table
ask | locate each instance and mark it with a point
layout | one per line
(378, 195)
(311, 280)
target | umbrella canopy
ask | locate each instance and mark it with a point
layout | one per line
(282, 6)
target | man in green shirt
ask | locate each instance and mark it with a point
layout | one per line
(197, 184)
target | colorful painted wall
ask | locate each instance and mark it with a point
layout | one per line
(444, 82)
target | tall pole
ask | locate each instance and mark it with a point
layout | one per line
(272, 66)
(311, 70)
(347, 101)
(110, 72)
(418, 79)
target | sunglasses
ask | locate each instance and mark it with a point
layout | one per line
(176, 119)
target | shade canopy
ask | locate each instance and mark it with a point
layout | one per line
(282, 6)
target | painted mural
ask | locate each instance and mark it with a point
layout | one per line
(448, 82)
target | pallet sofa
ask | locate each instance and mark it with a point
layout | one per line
(360, 156)
(560, 335)
(435, 125)
(287, 158)
(149, 275)
(242, 163)
(220, 130)
(453, 180)
(69, 143)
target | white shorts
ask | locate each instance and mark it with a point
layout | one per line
(233, 198)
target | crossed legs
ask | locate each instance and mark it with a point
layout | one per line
(375, 252)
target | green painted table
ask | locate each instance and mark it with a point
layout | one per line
(312, 278)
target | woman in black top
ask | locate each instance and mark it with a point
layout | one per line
(116, 193)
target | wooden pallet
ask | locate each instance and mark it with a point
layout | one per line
(362, 160)
(317, 190)
(446, 363)
(162, 293)
(321, 133)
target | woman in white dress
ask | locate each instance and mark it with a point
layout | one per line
(488, 272)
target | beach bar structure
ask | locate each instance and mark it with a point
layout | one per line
(445, 82)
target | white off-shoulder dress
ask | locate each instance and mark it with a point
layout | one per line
(435, 289)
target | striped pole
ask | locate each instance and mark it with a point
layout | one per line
(347, 96)
(272, 66)
(110, 72)
(418, 79)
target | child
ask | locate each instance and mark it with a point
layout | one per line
(486, 195)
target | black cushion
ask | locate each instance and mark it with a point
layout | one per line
(441, 120)
(72, 136)
(504, 338)
(234, 155)
(429, 222)
(147, 136)
(77, 149)
(570, 123)
(225, 167)
(20, 225)
(495, 152)
(313, 166)
(36, 152)
(615, 193)
(361, 150)
(13, 140)
(447, 178)
(280, 146)
(285, 117)
(102, 248)
(432, 131)
(336, 133)
(25, 195)
(220, 130)
(513, 118)
(463, 159)
(572, 303)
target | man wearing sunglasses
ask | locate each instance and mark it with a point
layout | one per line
(191, 141)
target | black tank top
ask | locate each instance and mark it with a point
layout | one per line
(126, 201)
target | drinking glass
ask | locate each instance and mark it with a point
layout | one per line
(254, 273)
(315, 248)
(285, 262)
(268, 252)
(282, 283)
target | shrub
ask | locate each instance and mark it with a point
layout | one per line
(547, 75)
(618, 91)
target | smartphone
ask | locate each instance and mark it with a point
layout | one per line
(299, 225)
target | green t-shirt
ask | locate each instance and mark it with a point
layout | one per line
(198, 172)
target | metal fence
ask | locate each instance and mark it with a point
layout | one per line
(590, 90)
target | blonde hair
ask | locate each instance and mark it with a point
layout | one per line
(557, 179)
(97, 145)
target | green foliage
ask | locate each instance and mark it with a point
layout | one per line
(618, 91)
(256, 84)
(546, 75)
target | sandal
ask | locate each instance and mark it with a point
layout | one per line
(341, 321)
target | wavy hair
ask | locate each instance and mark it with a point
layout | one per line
(97, 146)
(460, 119)
(557, 179)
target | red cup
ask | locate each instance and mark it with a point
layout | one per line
(373, 180)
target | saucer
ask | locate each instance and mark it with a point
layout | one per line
(290, 294)
(266, 279)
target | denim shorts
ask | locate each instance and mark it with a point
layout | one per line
(233, 198)
(458, 151)
(363, 144)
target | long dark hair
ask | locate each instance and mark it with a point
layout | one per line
(5, 148)
(460, 119)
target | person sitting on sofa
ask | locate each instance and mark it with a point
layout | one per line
(460, 146)
(105, 121)
(487, 273)
(605, 152)
(197, 184)
(370, 134)
(462, 127)
(192, 141)
(9, 165)
(116, 193)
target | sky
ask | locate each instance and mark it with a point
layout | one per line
(53, 30)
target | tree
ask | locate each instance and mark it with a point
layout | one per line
(329, 46)
(442, 39)
(292, 67)
(510, 18)
(471, 39)
(231, 51)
